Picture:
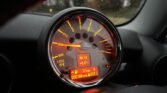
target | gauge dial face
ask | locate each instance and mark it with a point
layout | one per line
(82, 50)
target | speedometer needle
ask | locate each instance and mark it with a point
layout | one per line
(70, 45)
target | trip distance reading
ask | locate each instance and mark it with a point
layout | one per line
(83, 74)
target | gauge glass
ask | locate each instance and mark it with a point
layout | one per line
(82, 49)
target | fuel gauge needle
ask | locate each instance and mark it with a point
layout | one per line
(65, 45)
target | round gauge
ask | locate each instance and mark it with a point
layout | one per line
(84, 48)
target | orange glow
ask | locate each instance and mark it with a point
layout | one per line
(65, 45)
(88, 29)
(63, 33)
(80, 24)
(98, 31)
(94, 90)
(84, 74)
(105, 40)
(59, 55)
(83, 60)
(107, 52)
(72, 29)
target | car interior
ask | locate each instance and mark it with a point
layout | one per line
(83, 46)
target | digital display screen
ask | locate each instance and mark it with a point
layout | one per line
(83, 74)
(83, 60)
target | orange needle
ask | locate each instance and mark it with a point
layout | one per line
(62, 44)
(107, 52)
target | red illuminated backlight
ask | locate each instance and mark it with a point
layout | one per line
(83, 60)
(84, 74)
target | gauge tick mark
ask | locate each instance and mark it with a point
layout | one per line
(63, 33)
(80, 23)
(97, 32)
(72, 29)
(90, 23)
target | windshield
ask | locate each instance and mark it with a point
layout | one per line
(118, 11)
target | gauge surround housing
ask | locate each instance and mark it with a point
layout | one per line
(55, 24)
